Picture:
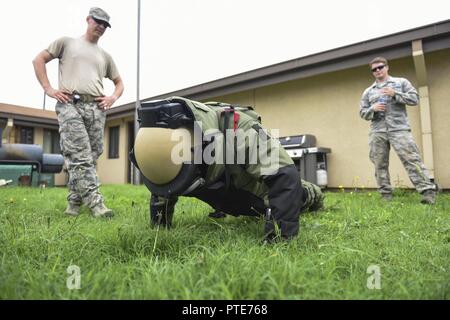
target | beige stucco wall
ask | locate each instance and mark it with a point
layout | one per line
(327, 106)
(438, 67)
(114, 171)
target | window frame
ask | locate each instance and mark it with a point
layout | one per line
(55, 146)
(21, 138)
(114, 142)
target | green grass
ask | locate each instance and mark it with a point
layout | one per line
(202, 258)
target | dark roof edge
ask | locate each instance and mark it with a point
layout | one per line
(32, 119)
(435, 36)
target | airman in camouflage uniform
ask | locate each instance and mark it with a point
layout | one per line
(383, 103)
(80, 108)
(81, 128)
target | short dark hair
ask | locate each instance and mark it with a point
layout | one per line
(378, 60)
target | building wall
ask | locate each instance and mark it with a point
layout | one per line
(438, 67)
(327, 106)
(114, 171)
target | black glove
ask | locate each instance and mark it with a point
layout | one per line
(285, 200)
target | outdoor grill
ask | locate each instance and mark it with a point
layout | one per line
(310, 160)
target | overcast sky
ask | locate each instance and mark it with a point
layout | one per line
(188, 42)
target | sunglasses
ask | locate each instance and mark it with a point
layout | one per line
(378, 68)
(101, 22)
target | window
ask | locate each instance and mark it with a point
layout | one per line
(26, 135)
(113, 142)
(51, 141)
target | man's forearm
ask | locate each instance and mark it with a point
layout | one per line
(366, 113)
(408, 95)
(118, 90)
(106, 102)
(408, 98)
(41, 72)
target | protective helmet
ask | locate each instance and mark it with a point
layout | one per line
(164, 148)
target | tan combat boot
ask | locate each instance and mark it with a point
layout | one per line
(73, 209)
(100, 210)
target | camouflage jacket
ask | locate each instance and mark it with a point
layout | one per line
(395, 117)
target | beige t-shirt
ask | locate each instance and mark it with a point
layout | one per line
(82, 65)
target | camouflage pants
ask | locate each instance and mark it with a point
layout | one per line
(81, 129)
(313, 200)
(403, 143)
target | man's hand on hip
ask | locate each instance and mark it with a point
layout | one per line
(105, 103)
(60, 95)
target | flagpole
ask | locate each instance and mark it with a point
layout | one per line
(136, 173)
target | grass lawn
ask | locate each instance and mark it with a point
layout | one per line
(336, 255)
